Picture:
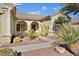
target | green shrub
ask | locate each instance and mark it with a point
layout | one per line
(7, 52)
(68, 33)
(30, 34)
(44, 30)
(36, 33)
(58, 22)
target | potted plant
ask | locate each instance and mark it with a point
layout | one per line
(70, 35)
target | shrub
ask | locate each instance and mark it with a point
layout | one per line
(30, 34)
(68, 33)
(58, 22)
(44, 30)
(7, 52)
(37, 33)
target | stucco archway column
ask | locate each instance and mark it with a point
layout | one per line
(5, 30)
(51, 31)
(28, 25)
(51, 26)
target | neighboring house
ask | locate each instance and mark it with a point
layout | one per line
(12, 23)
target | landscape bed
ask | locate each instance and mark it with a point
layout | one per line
(24, 42)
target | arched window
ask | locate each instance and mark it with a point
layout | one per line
(21, 26)
(34, 26)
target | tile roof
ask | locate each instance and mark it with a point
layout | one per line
(31, 17)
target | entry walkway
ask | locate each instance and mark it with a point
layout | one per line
(31, 47)
(48, 43)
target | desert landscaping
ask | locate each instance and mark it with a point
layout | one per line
(38, 35)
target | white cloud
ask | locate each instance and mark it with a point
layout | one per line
(43, 8)
(19, 4)
(55, 9)
(37, 12)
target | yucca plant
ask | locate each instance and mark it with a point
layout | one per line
(70, 34)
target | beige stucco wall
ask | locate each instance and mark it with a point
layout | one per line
(52, 22)
(13, 20)
(5, 26)
(0, 27)
(53, 18)
(46, 23)
(28, 25)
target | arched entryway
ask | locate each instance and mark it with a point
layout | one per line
(34, 26)
(21, 26)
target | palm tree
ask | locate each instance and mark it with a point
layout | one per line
(70, 7)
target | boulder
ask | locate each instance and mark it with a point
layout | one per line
(17, 40)
(60, 50)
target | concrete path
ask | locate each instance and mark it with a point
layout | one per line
(23, 48)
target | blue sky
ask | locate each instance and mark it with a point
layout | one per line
(41, 8)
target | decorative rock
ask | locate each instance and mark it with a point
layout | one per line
(17, 40)
(60, 50)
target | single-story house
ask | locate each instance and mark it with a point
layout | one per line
(16, 23)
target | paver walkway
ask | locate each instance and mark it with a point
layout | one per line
(30, 47)
(49, 43)
(23, 48)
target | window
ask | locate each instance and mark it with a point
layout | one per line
(34, 26)
(18, 27)
(21, 26)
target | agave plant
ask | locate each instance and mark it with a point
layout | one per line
(68, 33)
